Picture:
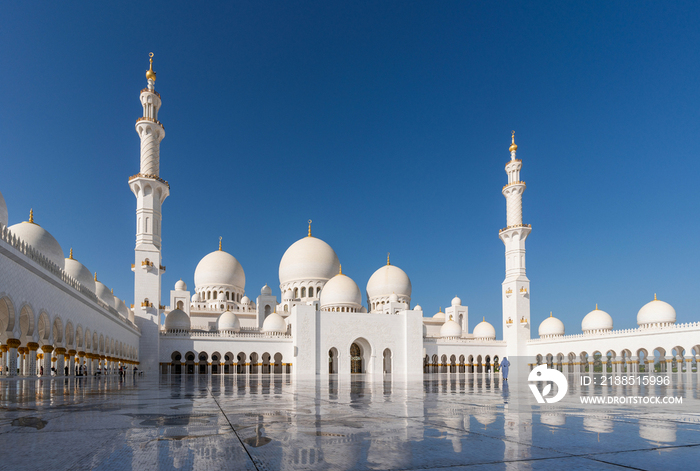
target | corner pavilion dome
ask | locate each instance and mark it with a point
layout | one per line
(597, 321)
(656, 312)
(308, 259)
(79, 271)
(484, 330)
(177, 320)
(551, 327)
(40, 239)
(386, 281)
(274, 324)
(228, 322)
(341, 292)
(219, 268)
(450, 329)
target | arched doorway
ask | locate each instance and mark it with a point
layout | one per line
(189, 363)
(355, 359)
(387, 361)
(332, 361)
(176, 365)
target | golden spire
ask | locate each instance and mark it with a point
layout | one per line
(655, 297)
(95, 276)
(483, 319)
(387, 258)
(220, 242)
(340, 267)
(31, 215)
(309, 228)
(450, 316)
(150, 74)
(513, 147)
(112, 290)
(71, 254)
(550, 313)
(440, 309)
(596, 306)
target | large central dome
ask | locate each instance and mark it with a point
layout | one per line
(308, 259)
(219, 268)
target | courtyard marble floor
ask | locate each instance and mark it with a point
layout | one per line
(447, 421)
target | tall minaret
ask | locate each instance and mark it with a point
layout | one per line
(516, 286)
(150, 191)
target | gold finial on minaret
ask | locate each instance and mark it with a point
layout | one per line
(31, 215)
(310, 227)
(150, 74)
(112, 290)
(387, 258)
(220, 242)
(340, 267)
(513, 147)
(71, 254)
(440, 309)
(95, 276)
(655, 297)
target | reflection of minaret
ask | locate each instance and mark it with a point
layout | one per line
(150, 191)
(516, 286)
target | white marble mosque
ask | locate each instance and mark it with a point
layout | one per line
(55, 313)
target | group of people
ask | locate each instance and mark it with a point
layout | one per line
(81, 370)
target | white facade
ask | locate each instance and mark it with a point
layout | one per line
(318, 326)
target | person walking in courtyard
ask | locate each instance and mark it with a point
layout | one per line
(504, 368)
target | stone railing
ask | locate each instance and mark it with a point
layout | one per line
(471, 340)
(243, 334)
(237, 309)
(611, 333)
(41, 260)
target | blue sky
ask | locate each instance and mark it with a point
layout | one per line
(388, 124)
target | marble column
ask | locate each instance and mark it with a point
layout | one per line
(46, 362)
(22, 351)
(12, 345)
(31, 358)
(71, 362)
(60, 356)
(81, 360)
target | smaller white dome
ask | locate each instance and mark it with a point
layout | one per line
(245, 300)
(551, 326)
(596, 320)
(104, 294)
(228, 322)
(288, 294)
(418, 308)
(78, 271)
(439, 315)
(180, 286)
(656, 312)
(266, 290)
(195, 298)
(450, 329)
(274, 324)
(456, 301)
(40, 239)
(177, 320)
(484, 330)
(393, 298)
(341, 291)
(121, 307)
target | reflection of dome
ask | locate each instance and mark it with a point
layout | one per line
(487, 417)
(597, 424)
(180, 286)
(656, 312)
(387, 280)
(554, 419)
(177, 320)
(78, 271)
(551, 327)
(597, 320)
(228, 322)
(450, 329)
(219, 268)
(3, 211)
(341, 291)
(655, 432)
(266, 290)
(274, 324)
(40, 239)
(484, 330)
(308, 259)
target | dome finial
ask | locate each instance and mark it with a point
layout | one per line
(483, 319)
(31, 215)
(95, 276)
(340, 269)
(220, 242)
(310, 221)
(440, 309)
(150, 74)
(71, 254)
(450, 316)
(596, 306)
(513, 147)
(655, 297)
(550, 313)
(387, 258)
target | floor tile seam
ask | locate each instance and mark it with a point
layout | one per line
(530, 460)
(237, 436)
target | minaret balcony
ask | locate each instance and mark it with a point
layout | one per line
(515, 227)
(522, 183)
(151, 91)
(152, 177)
(146, 118)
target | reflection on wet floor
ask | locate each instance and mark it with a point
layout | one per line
(263, 422)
